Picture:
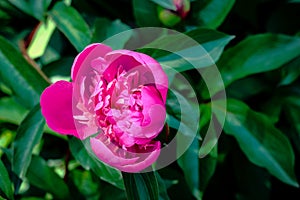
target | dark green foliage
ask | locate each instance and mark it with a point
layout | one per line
(255, 45)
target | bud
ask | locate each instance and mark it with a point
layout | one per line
(172, 17)
(182, 7)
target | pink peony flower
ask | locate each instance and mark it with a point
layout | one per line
(116, 100)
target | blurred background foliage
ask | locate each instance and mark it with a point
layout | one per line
(256, 46)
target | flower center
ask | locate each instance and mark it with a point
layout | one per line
(119, 107)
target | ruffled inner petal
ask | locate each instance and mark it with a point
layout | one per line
(139, 61)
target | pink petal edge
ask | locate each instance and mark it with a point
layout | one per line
(127, 165)
(101, 49)
(56, 107)
(161, 79)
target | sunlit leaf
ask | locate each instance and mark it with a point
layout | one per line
(41, 39)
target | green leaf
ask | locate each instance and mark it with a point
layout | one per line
(186, 120)
(290, 72)
(292, 108)
(35, 8)
(247, 87)
(214, 12)
(59, 68)
(105, 172)
(141, 186)
(262, 143)
(6, 138)
(71, 23)
(294, 1)
(168, 4)
(197, 49)
(5, 184)
(252, 182)
(189, 163)
(208, 151)
(208, 165)
(145, 13)
(86, 184)
(253, 55)
(41, 39)
(163, 194)
(25, 81)
(42, 176)
(104, 29)
(10, 111)
(28, 135)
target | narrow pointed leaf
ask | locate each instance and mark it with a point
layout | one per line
(5, 183)
(23, 79)
(28, 135)
(42, 176)
(71, 23)
(141, 186)
(189, 163)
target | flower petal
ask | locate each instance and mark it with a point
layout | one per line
(131, 60)
(107, 155)
(56, 107)
(136, 164)
(145, 160)
(154, 113)
(90, 53)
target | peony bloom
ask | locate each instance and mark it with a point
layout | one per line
(116, 100)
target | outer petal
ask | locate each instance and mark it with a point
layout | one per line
(91, 52)
(161, 79)
(56, 106)
(107, 155)
(145, 161)
(135, 164)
